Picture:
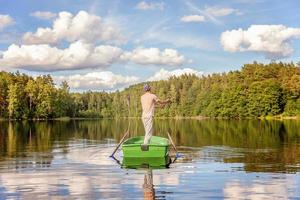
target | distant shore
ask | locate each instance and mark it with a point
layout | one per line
(277, 117)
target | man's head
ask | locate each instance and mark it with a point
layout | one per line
(147, 88)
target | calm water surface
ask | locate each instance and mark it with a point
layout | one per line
(232, 159)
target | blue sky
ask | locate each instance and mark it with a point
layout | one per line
(111, 44)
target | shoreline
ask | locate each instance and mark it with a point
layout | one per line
(277, 117)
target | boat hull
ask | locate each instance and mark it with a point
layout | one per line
(146, 162)
(158, 147)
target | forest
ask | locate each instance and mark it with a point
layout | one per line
(256, 90)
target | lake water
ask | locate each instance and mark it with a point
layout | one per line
(232, 159)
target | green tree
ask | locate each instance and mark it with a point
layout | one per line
(63, 101)
(265, 98)
(16, 105)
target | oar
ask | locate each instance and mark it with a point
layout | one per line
(127, 132)
(173, 145)
(120, 143)
(117, 161)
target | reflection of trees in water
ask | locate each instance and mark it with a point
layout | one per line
(26, 148)
(237, 133)
(285, 159)
(234, 133)
(19, 139)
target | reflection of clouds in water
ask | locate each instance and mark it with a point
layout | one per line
(79, 185)
(37, 183)
(270, 189)
(83, 171)
(169, 179)
(91, 155)
(159, 178)
(46, 183)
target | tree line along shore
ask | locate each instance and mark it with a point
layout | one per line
(256, 91)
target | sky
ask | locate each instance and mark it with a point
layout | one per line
(108, 45)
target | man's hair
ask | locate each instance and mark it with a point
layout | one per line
(147, 87)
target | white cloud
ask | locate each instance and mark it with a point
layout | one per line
(272, 40)
(81, 55)
(163, 74)
(78, 55)
(193, 18)
(217, 11)
(153, 56)
(83, 26)
(44, 15)
(5, 20)
(212, 13)
(107, 80)
(104, 80)
(150, 6)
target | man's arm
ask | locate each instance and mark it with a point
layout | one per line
(162, 103)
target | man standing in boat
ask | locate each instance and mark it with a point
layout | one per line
(149, 100)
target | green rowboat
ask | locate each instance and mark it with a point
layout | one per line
(158, 147)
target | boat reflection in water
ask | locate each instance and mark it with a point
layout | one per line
(147, 164)
(155, 156)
